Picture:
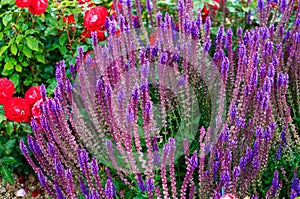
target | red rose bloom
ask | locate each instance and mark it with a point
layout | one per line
(87, 34)
(38, 7)
(94, 19)
(33, 95)
(69, 19)
(7, 90)
(113, 6)
(83, 1)
(23, 3)
(17, 109)
(37, 112)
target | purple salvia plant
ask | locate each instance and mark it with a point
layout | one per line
(259, 76)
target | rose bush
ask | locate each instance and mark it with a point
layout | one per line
(7, 90)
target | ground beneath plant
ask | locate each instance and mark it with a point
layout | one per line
(26, 186)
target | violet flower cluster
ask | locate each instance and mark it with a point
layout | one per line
(115, 89)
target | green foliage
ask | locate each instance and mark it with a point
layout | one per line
(11, 158)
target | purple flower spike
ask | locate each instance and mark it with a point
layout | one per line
(68, 174)
(94, 165)
(225, 177)
(225, 66)
(194, 160)
(129, 114)
(83, 187)
(51, 149)
(23, 147)
(207, 24)
(141, 183)
(236, 172)
(109, 188)
(239, 32)
(43, 92)
(149, 185)
(58, 167)
(283, 6)
(260, 4)
(41, 177)
(164, 58)
(275, 182)
(59, 193)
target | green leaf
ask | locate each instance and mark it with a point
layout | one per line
(32, 43)
(7, 174)
(40, 58)
(9, 145)
(6, 19)
(8, 160)
(2, 118)
(27, 82)
(63, 39)
(27, 52)
(3, 49)
(1, 36)
(14, 49)
(18, 68)
(9, 131)
(50, 31)
(15, 79)
(6, 72)
(30, 32)
(8, 66)
(3, 2)
(19, 38)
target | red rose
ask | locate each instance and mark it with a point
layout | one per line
(69, 19)
(87, 34)
(17, 109)
(83, 1)
(113, 6)
(7, 90)
(100, 36)
(33, 95)
(23, 3)
(94, 19)
(38, 7)
(37, 112)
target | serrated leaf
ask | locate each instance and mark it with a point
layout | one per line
(32, 43)
(27, 52)
(8, 66)
(8, 160)
(7, 174)
(40, 58)
(10, 144)
(6, 19)
(18, 68)
(2, 118)
(14, 49)
(3, 49)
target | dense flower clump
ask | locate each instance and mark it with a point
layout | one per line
(99, 137)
